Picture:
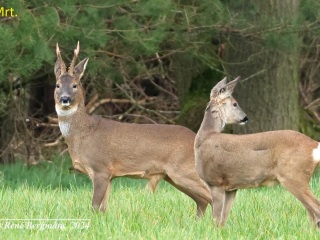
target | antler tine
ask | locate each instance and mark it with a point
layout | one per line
(62, 64)
(75, 56)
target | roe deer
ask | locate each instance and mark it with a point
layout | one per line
(228, 162)
(105, 149)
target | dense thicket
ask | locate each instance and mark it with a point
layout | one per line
(148, 61)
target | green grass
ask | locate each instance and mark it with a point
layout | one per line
(49, 191)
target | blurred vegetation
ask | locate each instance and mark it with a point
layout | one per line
(161, 56)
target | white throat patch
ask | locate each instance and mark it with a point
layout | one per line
(65, 113)
(65, 125)
(64, 128)
(316, 153)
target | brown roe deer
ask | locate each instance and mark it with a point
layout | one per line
(228, 162)
(105, 149)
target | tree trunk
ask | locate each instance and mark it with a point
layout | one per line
(270, 93)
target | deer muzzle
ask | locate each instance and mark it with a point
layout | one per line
(65, 100)
(244, 120)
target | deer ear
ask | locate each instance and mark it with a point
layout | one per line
(57, 69)
(220, 86)
(231, 85)
(79, 69)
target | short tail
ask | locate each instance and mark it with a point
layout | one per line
(316, 153)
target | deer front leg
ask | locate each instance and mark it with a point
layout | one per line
(229, 197)
(218, 195)
(101, 190)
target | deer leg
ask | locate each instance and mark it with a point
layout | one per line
(153, 182)
(200, 194)
(312, 205)
(228, 201)
(105, 198)
(101, 189)
(218, 195)
(303, 193)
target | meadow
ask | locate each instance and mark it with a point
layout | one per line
(48, 202)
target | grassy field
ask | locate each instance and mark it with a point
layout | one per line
(48, 202)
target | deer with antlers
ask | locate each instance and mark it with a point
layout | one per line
(104, 149)
(227, 162)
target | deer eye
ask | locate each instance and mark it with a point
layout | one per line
(235, 104)
(222, 90)
(74, 86)
(57, 86)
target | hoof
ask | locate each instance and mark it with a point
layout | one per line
(318, 224)
(98, 209)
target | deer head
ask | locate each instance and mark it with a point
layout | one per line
(69, 94)
(223, 106)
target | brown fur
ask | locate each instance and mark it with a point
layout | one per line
(227, 162)
(105, 149)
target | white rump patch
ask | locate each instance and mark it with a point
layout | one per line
(64, 128)
(64, 113)
(316, 153)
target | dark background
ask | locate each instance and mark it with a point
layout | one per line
(156, 62)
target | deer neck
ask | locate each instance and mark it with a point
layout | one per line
(73, 121)
(212, 122)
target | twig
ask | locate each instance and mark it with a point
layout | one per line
(52, 144)
(47, 125)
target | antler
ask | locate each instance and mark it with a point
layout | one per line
(61, 62)
(75, 56)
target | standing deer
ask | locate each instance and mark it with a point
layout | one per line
(105, 149)
(228, 162)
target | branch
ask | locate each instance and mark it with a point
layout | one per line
(313, 104)
(136, 103)
(92, 102)
(47, 125)
(114, 100)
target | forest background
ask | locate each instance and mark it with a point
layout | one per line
(156, 62)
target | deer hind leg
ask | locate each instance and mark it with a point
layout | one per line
(101, 190)
(312, 205)
(194, 189)
(153, 181)
(303, 193)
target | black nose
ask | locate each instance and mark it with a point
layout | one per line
(65, 99)
(245, 119)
